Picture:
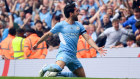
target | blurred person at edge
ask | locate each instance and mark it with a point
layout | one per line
(18, 44)
(30, 40)
(137, 33)
(6, 45)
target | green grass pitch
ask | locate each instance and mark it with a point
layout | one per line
(53, 78)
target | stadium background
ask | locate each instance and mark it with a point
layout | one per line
(118, 63)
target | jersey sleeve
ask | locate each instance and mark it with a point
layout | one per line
(56, 28)
(82, 29)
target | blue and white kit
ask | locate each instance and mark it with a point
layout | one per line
(69, 35)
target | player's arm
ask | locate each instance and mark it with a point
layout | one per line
(54, 30)
(93, 44)
(90, 41)
(45, 36)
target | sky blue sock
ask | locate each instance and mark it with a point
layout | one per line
(66, 74)
(52, 68)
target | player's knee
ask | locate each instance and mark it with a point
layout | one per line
(54, 68)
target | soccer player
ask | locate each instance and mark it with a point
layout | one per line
(69, 32)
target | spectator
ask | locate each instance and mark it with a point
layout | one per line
(92, 31)
(84, 14)
(43, 13)
(106, 23)
(19, 20)
(1, 29)
(136, 3)
(29, 7)
(53, 42)
(138, 43)
(84, 50)
(133, 19)
(28, 23)
(122, 19)
(92, 12)
(6, 45)
(45, 3)
(18, 44)
(137, 33)
(130, 41)
(109, 12)
(92, 3)
(37, 17)
(30, 40)
(52, 19)
(39, 28)
(114, 33)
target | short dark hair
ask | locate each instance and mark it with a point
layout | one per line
(19, 30)
(131, 38)
(30, 30)
(12, 31)
(38, 21)
(115, 20)
(86, 22)
(137, 9)
(138, 43)
(69, 8)
(137, 24)
(53, 40)
(57, 18)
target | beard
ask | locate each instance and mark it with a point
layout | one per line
(75, 18)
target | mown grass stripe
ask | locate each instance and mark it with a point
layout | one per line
(54, 78)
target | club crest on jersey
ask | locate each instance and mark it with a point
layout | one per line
(61, 57)
(78, 28)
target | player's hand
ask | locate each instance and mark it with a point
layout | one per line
(102, 51)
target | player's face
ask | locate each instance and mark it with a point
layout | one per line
(75, 14)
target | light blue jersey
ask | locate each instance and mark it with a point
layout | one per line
(69, 35)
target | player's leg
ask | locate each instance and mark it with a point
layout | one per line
(79, 72)
(76, 67)
(50, 68)
(53, 73)
(57, 67)
(61, 61)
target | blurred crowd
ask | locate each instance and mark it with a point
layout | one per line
(110, 23)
